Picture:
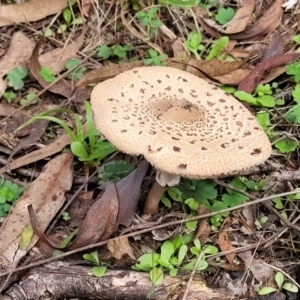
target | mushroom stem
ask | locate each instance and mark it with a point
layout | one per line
(153, 198)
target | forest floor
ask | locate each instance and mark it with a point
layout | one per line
(63, 237)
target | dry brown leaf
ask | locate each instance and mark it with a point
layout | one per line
(203, 229)
(179, 50)
(233, 78)
(128, 190)
(261, 271)
(106, 72)
(275, 48)
(30, 11)
(46, 195)
(61, 87)
(120, 246)
(18, 54)
(56, 59)
(100, 220)
(263, 25)
(56, 146)
(224, 242)
(240, 21)
(249, 83)
(242, 17)
(213, 68)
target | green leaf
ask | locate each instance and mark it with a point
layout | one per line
(217, 47)
(62, 28)
(279, 278)
(104, 52)
(224, 15)
(48, 32)
(147, 261)
(266, 290)
(92, 257)
(205, 189)
(156, 275)
(278, 203)
(175, 194)
(47, 74)
(263, 119)
(15, 77)
(167, 250)
(78, 149)
(67, 15)
(293, 114)
(29, 100)
(286, 146)
(99, 271)
(26, 237)
(296, 93)
(9, 96)
(192, 203)
(210, 249)
(166, 201)
(296, 39)
(201, 266)
(194, 39)
(177, 242)
(246, 97)
(233, 199)
(290, 287)
(114, 171)
(181, 254)
(266, 101)
(294, 69)
(191, 225)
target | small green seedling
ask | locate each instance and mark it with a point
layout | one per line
(114, 171)
(69, 19)
(224, 15)
(294, 70)
(279, 279)
(9, 194)
(76, 73)
(287, 145)
(9, 96)
(217, 47)
(155, 58)
(100, 268)
(29, 99)
(47, 74)
(65, 215)
(260, 222)
(15, 77)
(116, 50)
(148, 19)
(193, 43)
(174, 255)
(89, 147)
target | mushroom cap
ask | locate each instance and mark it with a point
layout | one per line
(180, 123)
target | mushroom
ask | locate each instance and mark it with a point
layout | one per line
(183, 125)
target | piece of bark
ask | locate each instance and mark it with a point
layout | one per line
(59, 280)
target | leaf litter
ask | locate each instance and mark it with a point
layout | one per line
(114, 208)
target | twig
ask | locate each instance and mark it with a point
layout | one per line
(188, 285)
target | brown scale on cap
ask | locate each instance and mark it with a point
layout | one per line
(201, 131)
